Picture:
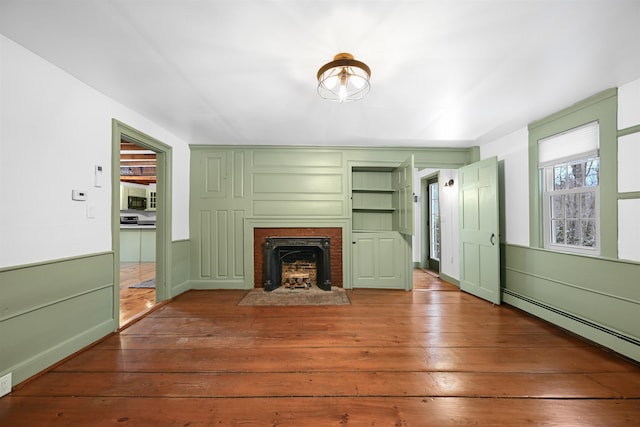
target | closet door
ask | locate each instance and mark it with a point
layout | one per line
(378, 260)
(403, 197)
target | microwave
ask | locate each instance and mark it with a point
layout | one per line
(136, 202)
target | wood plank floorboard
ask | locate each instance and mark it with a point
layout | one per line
(318, 412)
(328, 384)
(134, 302)
(204, 339)
(434, 356)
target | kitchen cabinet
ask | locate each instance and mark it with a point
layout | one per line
(147, 245)
(129, 245)
(151, 199)
(137, 191)
(124, 193)
(137, 244)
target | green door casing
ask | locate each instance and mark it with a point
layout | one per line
(433, 225)
(479, 242)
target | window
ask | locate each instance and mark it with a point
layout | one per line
(585, 133)
(152, 200)
(570, 168)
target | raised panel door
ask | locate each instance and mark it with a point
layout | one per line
(378, 260)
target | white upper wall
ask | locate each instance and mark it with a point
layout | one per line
(53, 130)
(629, 105)
(629, 171)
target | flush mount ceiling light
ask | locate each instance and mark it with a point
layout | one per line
(343, 79)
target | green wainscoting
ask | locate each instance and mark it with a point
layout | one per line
(52, 309)
(180, 262)
(596, 298)
(449, 279)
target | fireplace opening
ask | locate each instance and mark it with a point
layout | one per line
(297, 262)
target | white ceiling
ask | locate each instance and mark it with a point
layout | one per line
(444, 73)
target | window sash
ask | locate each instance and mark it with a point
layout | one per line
(565, 228)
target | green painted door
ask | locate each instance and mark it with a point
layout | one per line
(403, 195)
(479, 245)
(378, 260)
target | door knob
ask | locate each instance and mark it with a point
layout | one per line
(492, 239)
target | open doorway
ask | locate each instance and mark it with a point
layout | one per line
(433, 225)
(138, 201)
(430, 223)
(141, 248)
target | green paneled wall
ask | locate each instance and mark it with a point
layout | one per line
(235, 185)
(180, 262)
(52, 309)
(595, 297)
(277, 157)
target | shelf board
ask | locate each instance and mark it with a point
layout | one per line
(371, 190)
(372, 209)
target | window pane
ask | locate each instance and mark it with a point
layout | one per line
(588, 233)
(572, 211)
(557, 206)
(573, 205)
(434, 223)
(592, 173)
(559, 177)
(573, 232)
(575, 175)
(588, 204)
(557, 230)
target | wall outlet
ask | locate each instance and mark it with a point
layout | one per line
(5, 384)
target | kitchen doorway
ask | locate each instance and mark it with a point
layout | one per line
(138, 200)
(141, 226)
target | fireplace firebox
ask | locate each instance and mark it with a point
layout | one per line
(305, 260)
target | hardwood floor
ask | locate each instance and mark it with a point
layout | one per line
(135, 302)
(434, 356)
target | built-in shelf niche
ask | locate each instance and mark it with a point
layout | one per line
(372, 199)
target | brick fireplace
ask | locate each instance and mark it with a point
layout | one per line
(314, 236)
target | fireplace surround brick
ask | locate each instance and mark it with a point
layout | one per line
(334, 233)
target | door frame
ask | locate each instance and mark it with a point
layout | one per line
(424, 212)
(427, 181)
(163, 152)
